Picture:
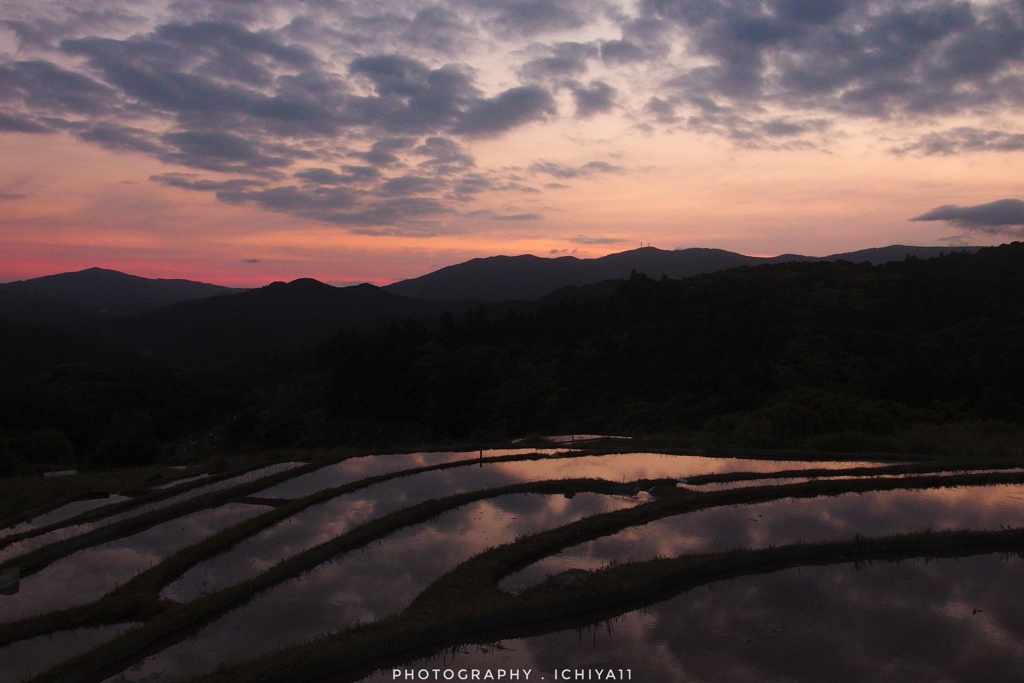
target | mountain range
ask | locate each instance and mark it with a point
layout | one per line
(192, 323)
(527, 277)
(494, 278)
(818, 355)
(111, 292)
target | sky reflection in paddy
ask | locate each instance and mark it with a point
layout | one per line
(790, 520)
(34, 543)
(369, 583)
(363, 467)
(630, 466)
(26, 658)
(63, 512)
(90, 573)
(919, 620)
(322, 522)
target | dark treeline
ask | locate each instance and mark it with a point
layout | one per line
(806, 354)
(832, 355)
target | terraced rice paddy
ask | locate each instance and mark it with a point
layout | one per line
(346, 569)
(936, 620)
(788, 521)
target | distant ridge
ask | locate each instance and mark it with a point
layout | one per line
(895, 252)
(111, 292)
(527, 278)
(209, 324)
(277, 317)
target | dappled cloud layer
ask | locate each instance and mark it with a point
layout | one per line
(401, 119)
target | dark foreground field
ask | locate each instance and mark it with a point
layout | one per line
(339, 567)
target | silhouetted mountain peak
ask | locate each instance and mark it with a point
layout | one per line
(302, 284)
(112, 292)
(529, 277)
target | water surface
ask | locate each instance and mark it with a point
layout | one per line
(927, 621)
(34, 543)
(26, 658)
(364, 467)
(90, 573)
(62, 513)
(320, 523)
(370, 583)
(790, 520)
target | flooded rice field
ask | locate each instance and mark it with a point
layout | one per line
(63, 513)
(369, 466)
(90, 573)
(322, 522)
(29, 657)
(30, 544)
(298, 555)
(369, 583)
(936, 620)
(789, 520)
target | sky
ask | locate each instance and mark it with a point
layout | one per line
(246, 141)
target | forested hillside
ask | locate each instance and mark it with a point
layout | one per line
(804, 354)
(915, 355)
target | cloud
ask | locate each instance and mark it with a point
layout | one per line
(1001, 216)
(662, 110)
(190, 181)
(42, 30)
(383, 152)
(777, 128)
(596, 98)
(311, 202)
(583, 239)
(410, 97)
(518, 217)
(746, 127)
(472, 184)
(13, 123)
(963, 139)
(412, 29)
(389, 211)
(614, 52)
(122, 138)
(227, 78)
(346, 111)
(411, 185)
(565, 172)
(508, 110)
(438, 29)
(230, 52)
(251, 260)
(38, 34)
(320, 176)
(406, 216)
(217, 151)
(880, 58)
(563, 61)
(43, 86)
(351, 175)
(444, 156)
(528, 18)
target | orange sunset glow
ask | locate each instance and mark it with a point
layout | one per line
(243, 143)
